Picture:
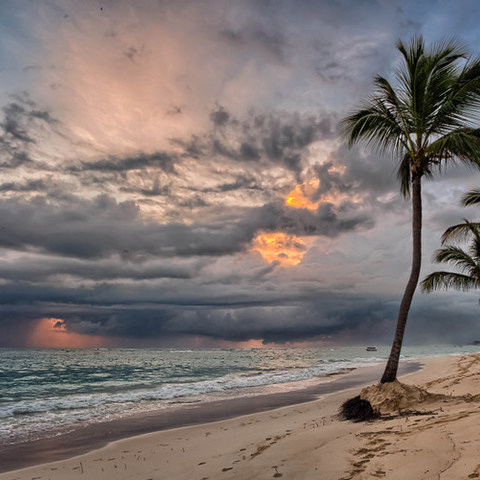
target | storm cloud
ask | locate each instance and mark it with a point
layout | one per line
(172, 173)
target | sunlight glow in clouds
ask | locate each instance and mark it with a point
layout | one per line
(283, 248)
(280, 247)
(299, 196)
(53, 333)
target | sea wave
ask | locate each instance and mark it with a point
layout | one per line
(175, 391)
(44, 390)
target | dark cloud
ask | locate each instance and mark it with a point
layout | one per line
(192, 147)
(135, 53)
(175, 110)
(277, 139)
(296, 314)
(240, 182)
(20, 128)
(102, 227)
(219, 116)
(162, 160)
(331, 181)
(249, 151)
(192, 202)
(272, 316)
(156, 190)
(332, 72)
(12, 123)
(257, 41)
(32, 185)
(283, 138)
(33, 269)
(326, 221)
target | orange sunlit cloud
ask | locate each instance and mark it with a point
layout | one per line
(298, 197)
(252, 343)
(53, 333)
(283, 248)
(290, 249)
(301, 196)
(286, 249)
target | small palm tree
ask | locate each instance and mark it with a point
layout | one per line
(426, 121)
(466, 262)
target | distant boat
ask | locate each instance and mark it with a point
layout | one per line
(371, 349)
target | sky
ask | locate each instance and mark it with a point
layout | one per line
(173, 175)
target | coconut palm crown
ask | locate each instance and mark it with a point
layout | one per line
(426, 119)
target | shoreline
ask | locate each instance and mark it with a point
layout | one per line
(97, 435)
(431, 435)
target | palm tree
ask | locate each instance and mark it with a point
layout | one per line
(425, 122)
(467, 262)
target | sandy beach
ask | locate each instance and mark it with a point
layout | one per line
(434, 439)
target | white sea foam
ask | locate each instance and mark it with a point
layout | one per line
(172, 391)
(46, 390)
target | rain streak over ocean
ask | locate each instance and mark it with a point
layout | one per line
(47, 391)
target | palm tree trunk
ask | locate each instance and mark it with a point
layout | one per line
(390, 373)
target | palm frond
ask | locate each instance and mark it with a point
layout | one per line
(474, 249)
(457, 257)
(461, 232)
(446, 280)
(468, 263)
(375, 124)
(462, 144)
(426, 78)
(459, 106)
(472, 197)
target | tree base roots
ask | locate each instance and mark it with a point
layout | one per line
(358, 410)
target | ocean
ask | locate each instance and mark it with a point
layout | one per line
(47, 392)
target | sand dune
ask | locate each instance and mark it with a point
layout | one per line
(435, 437)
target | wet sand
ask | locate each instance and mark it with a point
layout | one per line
(97, 435)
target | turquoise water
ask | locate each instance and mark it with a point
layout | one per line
(46, 391)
